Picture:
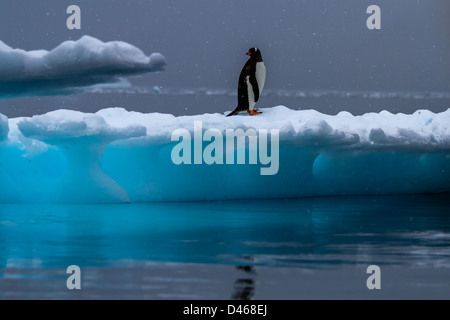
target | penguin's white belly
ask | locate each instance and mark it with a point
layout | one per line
(260, 75)
(251, 95)
(260, 80)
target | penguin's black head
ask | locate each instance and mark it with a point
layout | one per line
(254, 53)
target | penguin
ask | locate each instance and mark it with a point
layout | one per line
(251, 83)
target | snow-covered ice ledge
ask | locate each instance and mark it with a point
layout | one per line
(118, 156)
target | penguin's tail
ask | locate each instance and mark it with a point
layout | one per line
(236, 111)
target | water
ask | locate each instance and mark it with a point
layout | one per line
(279, 249)
(182, 101)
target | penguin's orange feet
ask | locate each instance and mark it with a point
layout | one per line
(253, 112)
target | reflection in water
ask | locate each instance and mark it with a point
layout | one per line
(299, 232)
(244, 289)
(244, 286)
(308, 233)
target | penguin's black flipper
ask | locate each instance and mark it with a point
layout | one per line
(235, 112)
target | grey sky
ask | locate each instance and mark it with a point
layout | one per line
(305, 44)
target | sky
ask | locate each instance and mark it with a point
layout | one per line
(306, 44)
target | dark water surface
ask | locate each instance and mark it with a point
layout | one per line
(206, 100)
(277, 249)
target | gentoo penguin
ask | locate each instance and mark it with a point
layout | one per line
(251, 83)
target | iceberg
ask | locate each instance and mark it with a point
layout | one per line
(82, 138)
(71, 66)
(119, 156)
(4, 128)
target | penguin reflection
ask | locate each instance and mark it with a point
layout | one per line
(244, 287)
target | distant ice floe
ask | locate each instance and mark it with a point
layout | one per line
(116, 155)
(125, 88)
(70, 66)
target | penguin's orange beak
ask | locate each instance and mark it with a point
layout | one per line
(249, 53)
